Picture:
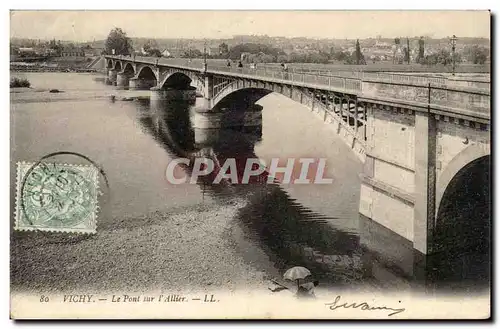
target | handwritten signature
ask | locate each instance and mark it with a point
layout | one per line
(362, 306)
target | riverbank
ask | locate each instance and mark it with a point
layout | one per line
(35, 95)
(187, 249)
(51, 69)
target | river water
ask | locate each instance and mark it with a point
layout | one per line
(317, 226)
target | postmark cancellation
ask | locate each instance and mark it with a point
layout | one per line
(56, 197)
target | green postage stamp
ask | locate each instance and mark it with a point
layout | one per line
(56, 197)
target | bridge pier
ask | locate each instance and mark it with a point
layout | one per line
(133, 83)
(122, 81)
(208, 87)
(141, 84)
(388, 186)
(112, 75)
(251, 117)
(202, 105)
(425, 181)
(107, 81)
(173, 94)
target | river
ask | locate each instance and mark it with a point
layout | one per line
(317, 226)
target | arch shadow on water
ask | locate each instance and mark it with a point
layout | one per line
(287, 232)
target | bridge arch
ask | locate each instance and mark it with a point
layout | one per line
(463, 202)
(146, 71)
(460, 161)
(109, 64)
(129, 70)
(147, 77)
(176, 80)
(118, 66)
(239, 98)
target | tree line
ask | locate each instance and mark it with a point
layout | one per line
(119, 43)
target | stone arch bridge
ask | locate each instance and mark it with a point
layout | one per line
(417, 136)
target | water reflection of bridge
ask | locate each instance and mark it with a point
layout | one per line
(289, 232)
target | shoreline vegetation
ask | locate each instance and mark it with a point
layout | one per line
(16, 82)
(51, 69)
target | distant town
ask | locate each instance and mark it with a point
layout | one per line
(258, 49)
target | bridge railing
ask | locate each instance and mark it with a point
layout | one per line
(347, 84)
(396, 77)
(477, 101)
(484, 85)
(454, 99)
(402, 78)
(316, 76)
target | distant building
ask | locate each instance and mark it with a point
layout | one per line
(173, 52)
(50, 52)
(244, 56)
(165, 53)
(94, 51)
(383, 45)
(26, 51)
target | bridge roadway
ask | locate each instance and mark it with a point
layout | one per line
(417, 136)
(401, 77)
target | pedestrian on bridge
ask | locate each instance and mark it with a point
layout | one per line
(285, 69)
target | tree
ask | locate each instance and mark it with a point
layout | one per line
(421, 50)
(52, 44)
(192, 53)
(360, 59)
(431, 59)
(341, 56)
(57, 47)
(396, 48)
(253, 48)
(444, 57)
(223, 49)
(477, 55)
(407, 51)
(281, 58)
(151, 48)
(118, 42)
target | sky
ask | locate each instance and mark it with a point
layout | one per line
(90, 25)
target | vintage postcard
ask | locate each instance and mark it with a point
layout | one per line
(250, 165)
